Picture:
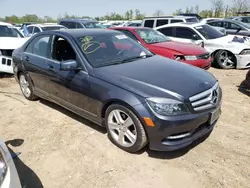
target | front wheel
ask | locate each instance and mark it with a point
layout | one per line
(225, 60)
(124, 128)
(26, 87)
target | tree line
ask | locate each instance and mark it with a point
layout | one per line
(218, 9)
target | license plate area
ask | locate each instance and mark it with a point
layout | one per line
(214, 115)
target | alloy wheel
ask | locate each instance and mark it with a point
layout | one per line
(25, 86)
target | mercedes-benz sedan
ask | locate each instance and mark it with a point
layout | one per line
(110, 79)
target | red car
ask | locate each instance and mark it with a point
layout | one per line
(162, 45)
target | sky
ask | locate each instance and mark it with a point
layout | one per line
(93, 8)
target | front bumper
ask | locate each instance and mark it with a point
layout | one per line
(202, 63)
(173, 133)
(11, 179)
(6, 64)
(243, 61)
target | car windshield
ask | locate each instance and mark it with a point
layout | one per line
(151, 36)
(9, 31)
(93, 25)
(111, 48)
(208, 32)
(48, 28)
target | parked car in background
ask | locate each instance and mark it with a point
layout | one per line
(244, 19)
(160, 44)
(228, 51)
(232, 27)
(8, 174)
(191, 15)
(10, 39)
(110, 79)
(206, 20)
(153, 22)
(132, 23)
(37, 28)
(80, 23)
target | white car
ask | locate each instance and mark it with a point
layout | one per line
(10, 39)
(37, 28)
(8, 174)
(228, 51)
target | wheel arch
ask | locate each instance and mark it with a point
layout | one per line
(213, 54)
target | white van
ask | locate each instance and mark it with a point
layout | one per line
(153, 22)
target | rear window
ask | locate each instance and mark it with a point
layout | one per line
(192, 20)
(161, 22)
(149, 23)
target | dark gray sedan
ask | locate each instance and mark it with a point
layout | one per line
(110, 79)
(232, 26)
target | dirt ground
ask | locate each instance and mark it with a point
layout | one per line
(63, 150)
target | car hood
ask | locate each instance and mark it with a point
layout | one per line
(183, 48)
(158, 77)
(11, 43)
(228, 42)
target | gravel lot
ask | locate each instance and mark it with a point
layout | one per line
(63, 150)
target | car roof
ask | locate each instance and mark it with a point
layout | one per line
(82, 32)
(5, 24)
(186, 24)
(155, 17)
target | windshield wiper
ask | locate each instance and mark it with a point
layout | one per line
(116, 62)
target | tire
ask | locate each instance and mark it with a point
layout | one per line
(26, 87)
(134, 136)
(225, 60)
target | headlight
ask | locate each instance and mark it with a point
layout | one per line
(190, 58)
(167, 107)
(245, 52)
(3, 167)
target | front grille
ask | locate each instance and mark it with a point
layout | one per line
(207, 99)
(203, 56)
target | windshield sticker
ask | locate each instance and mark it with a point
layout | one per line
(121, 37)
(198, 27)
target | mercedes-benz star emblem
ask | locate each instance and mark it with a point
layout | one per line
(214, 97)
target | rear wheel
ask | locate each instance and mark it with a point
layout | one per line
(26, 87)
(225, 59)
(124, 128)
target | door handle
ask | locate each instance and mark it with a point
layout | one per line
(50, 68)
(27, 58)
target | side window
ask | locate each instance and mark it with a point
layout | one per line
(176, 21)
(128, 33)
(62, 50)
(161, 22)
(168, 31)
(41, 46)
(184, 33)
(30, 29)
(29, 48)
(149, 23)
(217, 24)
(36, 30)
(78, 25)
(233, 26)
(71, 25)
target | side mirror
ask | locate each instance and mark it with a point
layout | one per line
(200, 43)
(69, 65)
(195, 37)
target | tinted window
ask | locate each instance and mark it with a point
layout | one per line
(78, 25)
(134, 24)
(217, 24)
(47, 28)
(161, 22)
(30, 29)
(209, 32)
(167, 31)
(92, 25)
(176, 21)
(128, 33)
(105, 49)
(185, 33)
(192, 20)
(36, 30)
(149, 23)
(41, 45)
(229, 25)
(71, 25)
(246, 19)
